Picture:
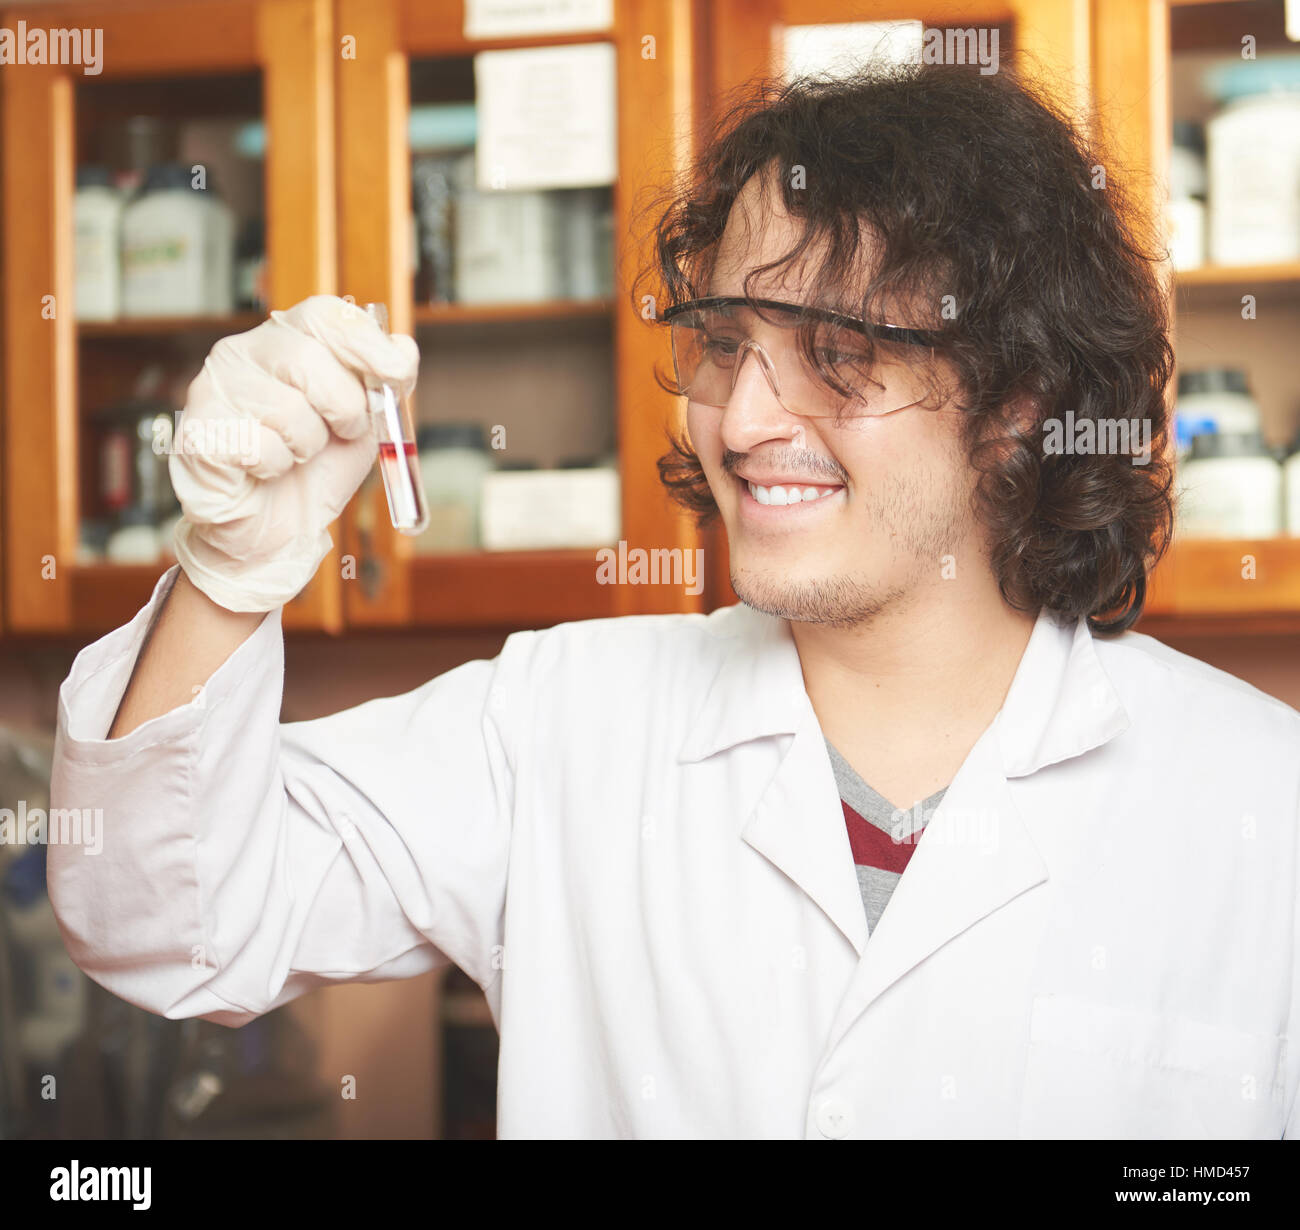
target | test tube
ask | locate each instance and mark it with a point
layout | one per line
(398, 461)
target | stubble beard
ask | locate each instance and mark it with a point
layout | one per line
(845, 600)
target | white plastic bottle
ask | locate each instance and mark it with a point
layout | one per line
(1186, 209)
(97, 224)
(1215, 401)
(1254, 167)
(508, 244)
(178, 248)
(1229, 487)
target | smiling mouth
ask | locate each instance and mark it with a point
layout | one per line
(786, 494)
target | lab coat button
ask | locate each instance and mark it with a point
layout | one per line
(834, 1117)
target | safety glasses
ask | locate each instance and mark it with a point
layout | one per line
(712, 337)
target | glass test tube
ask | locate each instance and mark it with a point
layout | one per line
(398, 461)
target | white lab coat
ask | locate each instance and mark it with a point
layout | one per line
(628, 832)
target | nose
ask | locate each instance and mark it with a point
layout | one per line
(754, 414)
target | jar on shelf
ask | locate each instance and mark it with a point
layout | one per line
(1186, 208)
(440, 135)
(135, 538)
(1230, 487)
(1213, 400)
(132, 472)
(454, 459)
(1254, 167)
(588, 253)
(178, 248)
(574, 505)
(97, 223)
(509, 246)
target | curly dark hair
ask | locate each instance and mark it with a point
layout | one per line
(977, 192)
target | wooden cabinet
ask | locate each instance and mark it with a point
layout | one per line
(1151, 59)
(1124, 65)
(212, 61)
(331, 86)
(508, 358)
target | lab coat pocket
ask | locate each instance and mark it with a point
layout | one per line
(1105, 1071)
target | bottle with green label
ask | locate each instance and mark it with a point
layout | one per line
(178, 249)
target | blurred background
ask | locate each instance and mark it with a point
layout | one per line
(480, 167)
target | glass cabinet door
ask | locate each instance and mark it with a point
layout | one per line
(154, 202)
(1204, 99)
(537, 418)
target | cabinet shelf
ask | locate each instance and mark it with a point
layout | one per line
(106, 596)
(490, 589)
(1198, 589)
(1209, 286)
(1248, 624)
(427, 314)
(1233, 275)
(1200, 583)
(508, 589)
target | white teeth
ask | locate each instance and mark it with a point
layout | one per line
(789, 495)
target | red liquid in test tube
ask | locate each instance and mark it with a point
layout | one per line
(403, 486)
(398, 462)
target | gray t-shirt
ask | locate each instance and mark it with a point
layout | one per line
(882, 837)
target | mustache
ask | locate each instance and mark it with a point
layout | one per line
(798, 460)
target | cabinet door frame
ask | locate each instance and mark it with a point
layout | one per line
(291, 43)
(655, 140)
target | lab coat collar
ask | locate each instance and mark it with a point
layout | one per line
(1060, 704)
(758, 690)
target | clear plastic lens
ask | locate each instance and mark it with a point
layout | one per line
(710, 346)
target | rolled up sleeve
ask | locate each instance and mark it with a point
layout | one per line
(227, 862)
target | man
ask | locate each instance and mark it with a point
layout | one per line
(896, 847)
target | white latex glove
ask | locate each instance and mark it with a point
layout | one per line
(280, 421)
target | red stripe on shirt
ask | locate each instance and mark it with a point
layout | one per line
(874, 848)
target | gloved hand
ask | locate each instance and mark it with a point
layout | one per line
(274, 440)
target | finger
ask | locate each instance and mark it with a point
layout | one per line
(272, 456)
(295, 360)
(354, 338)
(293, 430)
(212, 425)
(278, 425)
(410, 358)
